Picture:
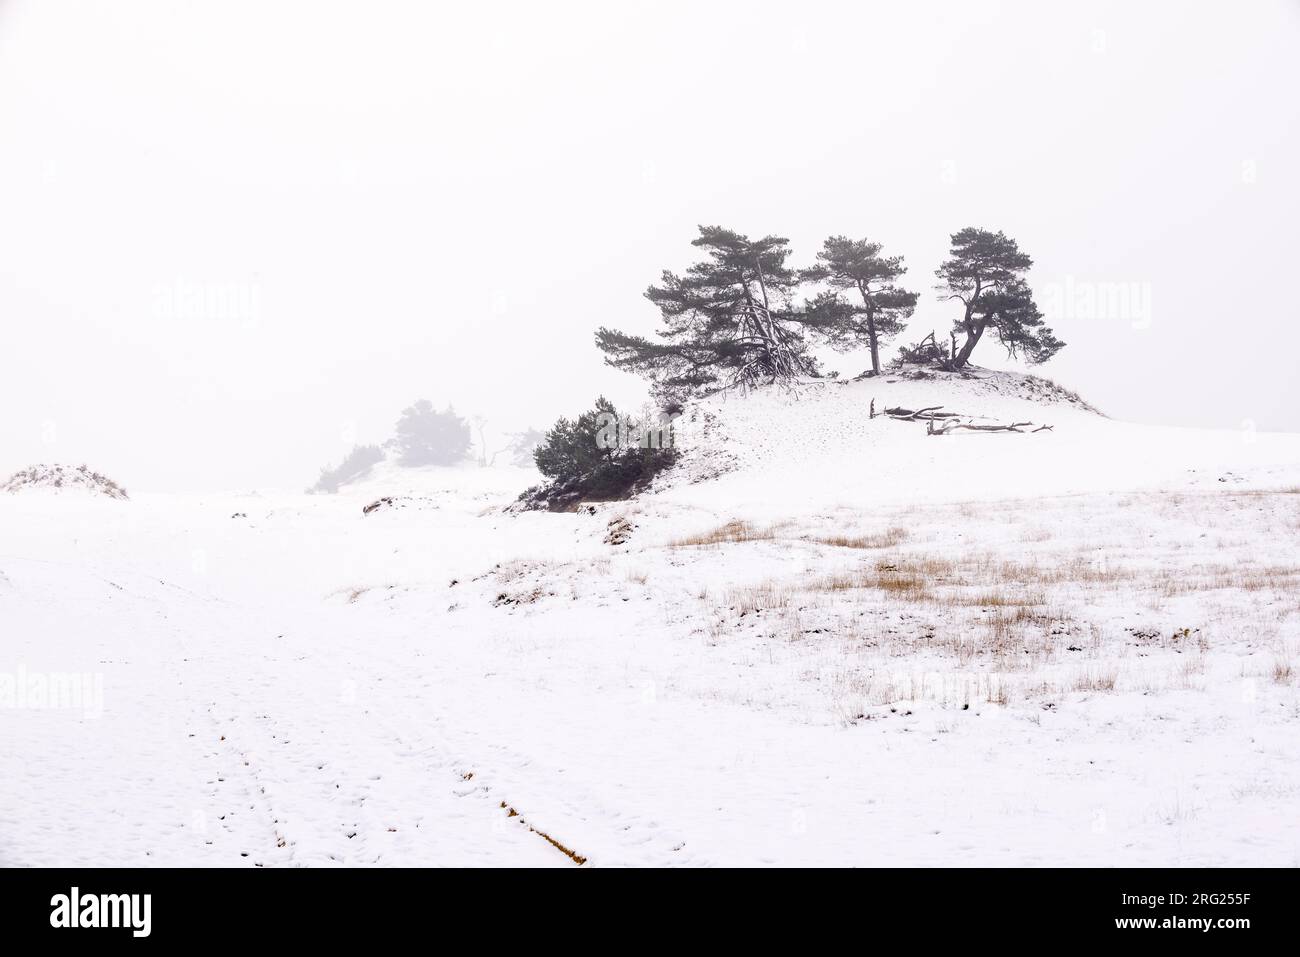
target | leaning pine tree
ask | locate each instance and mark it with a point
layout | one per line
(729, 320)
(985, 272)
(862, 305)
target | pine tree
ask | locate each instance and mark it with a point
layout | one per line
(729, 320)
(985, 273)
(573, 447)
(862, 303)
(426, 436)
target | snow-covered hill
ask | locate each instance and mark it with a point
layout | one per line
(62, 479)
(825, 638)
(818, 442)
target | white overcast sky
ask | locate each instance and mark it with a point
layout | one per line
(235, 236)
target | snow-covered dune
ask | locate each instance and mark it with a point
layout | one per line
(817, 442)
(824, 638)
(61, 480)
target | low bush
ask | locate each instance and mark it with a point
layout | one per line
(601, 456)
(354, 466)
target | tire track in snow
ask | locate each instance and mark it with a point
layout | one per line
(359, 758)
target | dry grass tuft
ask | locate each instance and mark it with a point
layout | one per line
(1095, 681)
(889, 579)
(902, 585)
(765, 597)
(889, 538)
(1022, 601)
(923, 566)
(1204, 578)
(737, 531)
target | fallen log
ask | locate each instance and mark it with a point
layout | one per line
(913, 415)
(946, 427)
(947, 421)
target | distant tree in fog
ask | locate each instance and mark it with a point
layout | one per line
(519, 446)
(354, 465)
(480, 426)
(522, 446)
(426, 436)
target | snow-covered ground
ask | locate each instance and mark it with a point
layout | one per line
(825, 639)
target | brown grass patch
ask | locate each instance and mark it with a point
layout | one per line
(1095, 681)
(890, 537)
(1199, 578)
(889, 579)
(1023, 601)
(737, 531)
(903, 585)
(765, 597)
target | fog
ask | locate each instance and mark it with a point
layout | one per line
(236, 238)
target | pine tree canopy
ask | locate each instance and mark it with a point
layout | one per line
(1012, 314)
(571, 446)
(728, 320)
(862, 305)
(984, 272)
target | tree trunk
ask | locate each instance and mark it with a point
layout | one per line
(875, 344)
(973, 330)
(972, 339)
(873, 338)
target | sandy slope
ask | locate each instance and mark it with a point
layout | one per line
(1090, 670)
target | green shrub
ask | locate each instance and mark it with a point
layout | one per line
(600, 456)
